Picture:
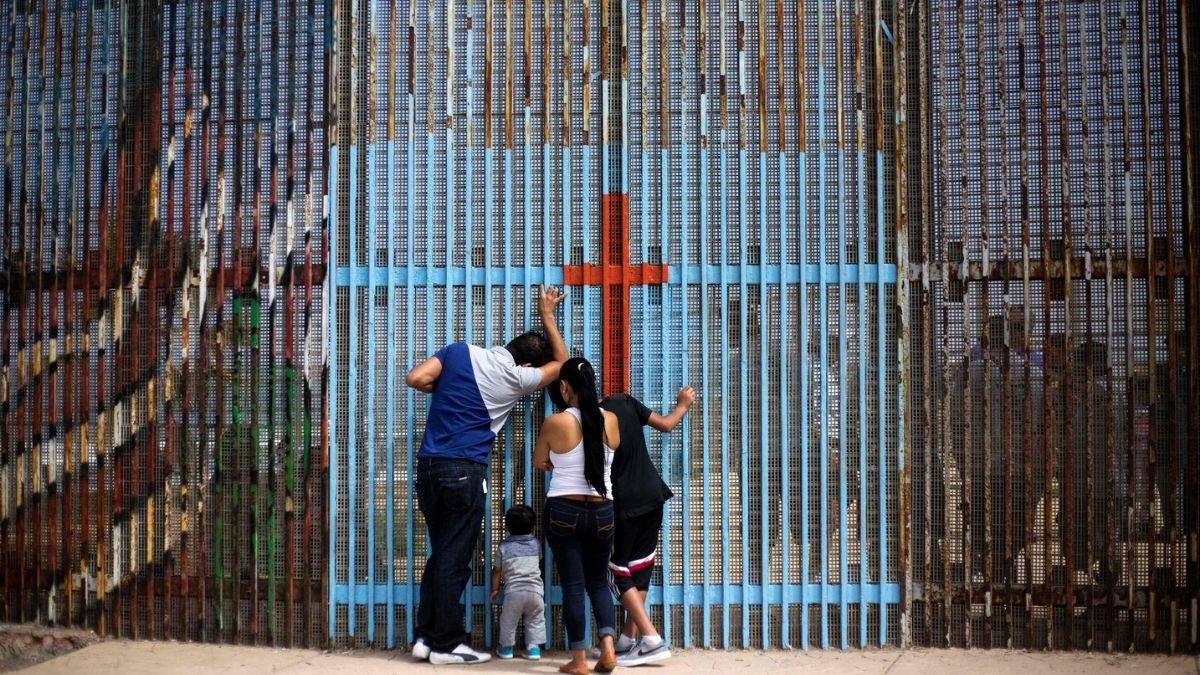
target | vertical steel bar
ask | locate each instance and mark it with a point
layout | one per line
(743, 300)
(723, 124)
(984, 336)
(763, 303)
(1108, 568)
(964, 507)
(1067, 499)
(393, 223)
(946, 438)
(1047, 355)
(802, 347)
(1130, 393)
(784, 365)
(905, 516)
(842, 352)
(1151, 325)
(1187, 33)
(1172, 510)
(430, 189)
(860, 226)
(489, 318)
(664, 214)
(371, 141)
(331, 294)
(925, 30)
(684, 220)
(1008, 570)
(410, 303)
(880, 311)
(1087, 365)
(822, 325)
(705, 328)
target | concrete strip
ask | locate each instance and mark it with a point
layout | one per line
(164, 658)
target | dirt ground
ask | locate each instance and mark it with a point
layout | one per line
(22, 646)
(155, 658)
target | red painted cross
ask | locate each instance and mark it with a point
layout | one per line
(614, 275)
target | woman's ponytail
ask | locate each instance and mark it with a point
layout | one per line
(578, 373)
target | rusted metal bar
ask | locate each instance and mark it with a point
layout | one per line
(1067, 500)
(1130, 393)
(1151, 327)
(1188, 33)
(926, 126)
(963, 509)
(1026, 307)
(944, 407)
(985, 240)
(1047, 298)
(1108, 568)
(1008, 570)
(1088, 400)
(900, 75)
(1172, 500)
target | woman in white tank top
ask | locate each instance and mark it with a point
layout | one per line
(577, 445)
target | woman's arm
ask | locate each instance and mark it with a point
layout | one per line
(541, 448)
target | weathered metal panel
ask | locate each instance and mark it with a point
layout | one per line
(160, 473)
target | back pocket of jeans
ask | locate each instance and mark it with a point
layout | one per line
(561, 522)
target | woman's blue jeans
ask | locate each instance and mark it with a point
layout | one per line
(580, 535)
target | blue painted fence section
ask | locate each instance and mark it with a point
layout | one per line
(779, 306)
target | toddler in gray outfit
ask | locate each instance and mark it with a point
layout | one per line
(517, 566)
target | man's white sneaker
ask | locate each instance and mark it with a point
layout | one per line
(461, 654)
(644, 653)
(420, 650)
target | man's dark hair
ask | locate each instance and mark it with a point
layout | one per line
(531, 348)
(520, 519)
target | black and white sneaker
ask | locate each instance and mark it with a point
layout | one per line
(461, 654)
(420, 650)
(642, 654)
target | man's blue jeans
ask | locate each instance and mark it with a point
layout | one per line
(450, 494)
(581, 535)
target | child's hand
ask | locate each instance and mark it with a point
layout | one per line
(687, 396)
(495, 594)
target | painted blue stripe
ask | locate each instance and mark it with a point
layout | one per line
(823, 334)
(764, 439)
(390, 401)
(704, 382)
(369, 420)
(590, 349)
(547, 257)
(723, 268)
(673, 596)
(352, 399)
(676, 274)
(409, 354)
(803, 349)
(784, 431)
(685, 478)
(468, 246)
(881, 412)
(331, 364)
(743, 395)
(843, 498)
(488, 160)
(664, 242)
(863, 424)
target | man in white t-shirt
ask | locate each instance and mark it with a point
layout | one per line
(473, 389)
